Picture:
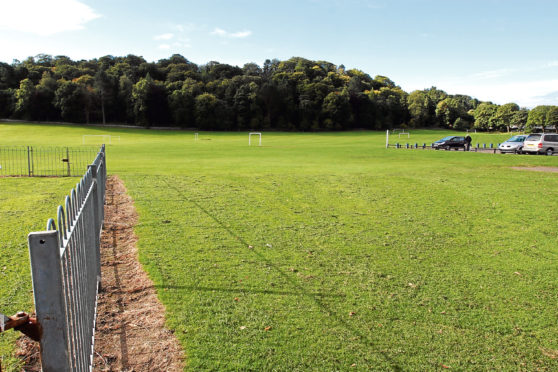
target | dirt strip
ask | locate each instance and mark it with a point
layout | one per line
(131, 333)
(538, 169)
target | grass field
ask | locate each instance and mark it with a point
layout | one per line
(329, 252)
(25, 206)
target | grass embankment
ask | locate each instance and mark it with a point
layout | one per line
(329, 252)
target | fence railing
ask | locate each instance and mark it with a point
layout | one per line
(477, 148)
(66, 271)
(34, 161)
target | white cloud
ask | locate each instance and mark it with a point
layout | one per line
(241, 34)
(219, 32)
(524, 93)
(45, 17)
(493, 74)
(164, 46)
(231, 35)
(528, 86)
(166, 36)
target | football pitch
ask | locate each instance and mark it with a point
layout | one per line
(325, 251)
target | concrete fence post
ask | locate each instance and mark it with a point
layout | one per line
(46, 271)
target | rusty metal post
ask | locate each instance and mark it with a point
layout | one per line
(44, 250)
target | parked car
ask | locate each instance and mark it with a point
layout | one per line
(450, 142)
(541, 143)
(514, 144)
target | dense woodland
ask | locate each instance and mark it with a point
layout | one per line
(293, 95)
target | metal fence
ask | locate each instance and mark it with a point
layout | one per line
(490, 148)
(33, 161)
(66, 270)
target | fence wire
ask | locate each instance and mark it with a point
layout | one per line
(34, 161)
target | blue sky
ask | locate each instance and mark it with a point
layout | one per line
(498, 50)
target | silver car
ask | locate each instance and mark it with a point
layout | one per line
(514, 144)
(541, 143)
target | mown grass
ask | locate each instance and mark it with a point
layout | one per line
(329, 252)
(25, 206)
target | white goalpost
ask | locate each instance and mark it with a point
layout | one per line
(400, 132)
(105, 138)
(254, 134)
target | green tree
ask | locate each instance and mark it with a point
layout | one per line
(7, 77)
(150, 102)
(336, 110)
(552, 117)
(483, 115)
(451, 109)
(420, 109)
(519, 119)
(25, 99)
(504, 116)
(125, 87)
(205, 111)
(382, 82)
(69, 98)
(436, 95)
(44, 98)
(86, 82)
(246, 107)
(251, 69)
(103, 87)
(390, 107)
(182, 103)
(7, 102)
(537, 118)
(311, 97)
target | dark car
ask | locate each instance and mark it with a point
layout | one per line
(450, 142)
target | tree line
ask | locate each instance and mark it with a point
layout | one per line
(293, 95)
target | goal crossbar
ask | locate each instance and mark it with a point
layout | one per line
(254, 134)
